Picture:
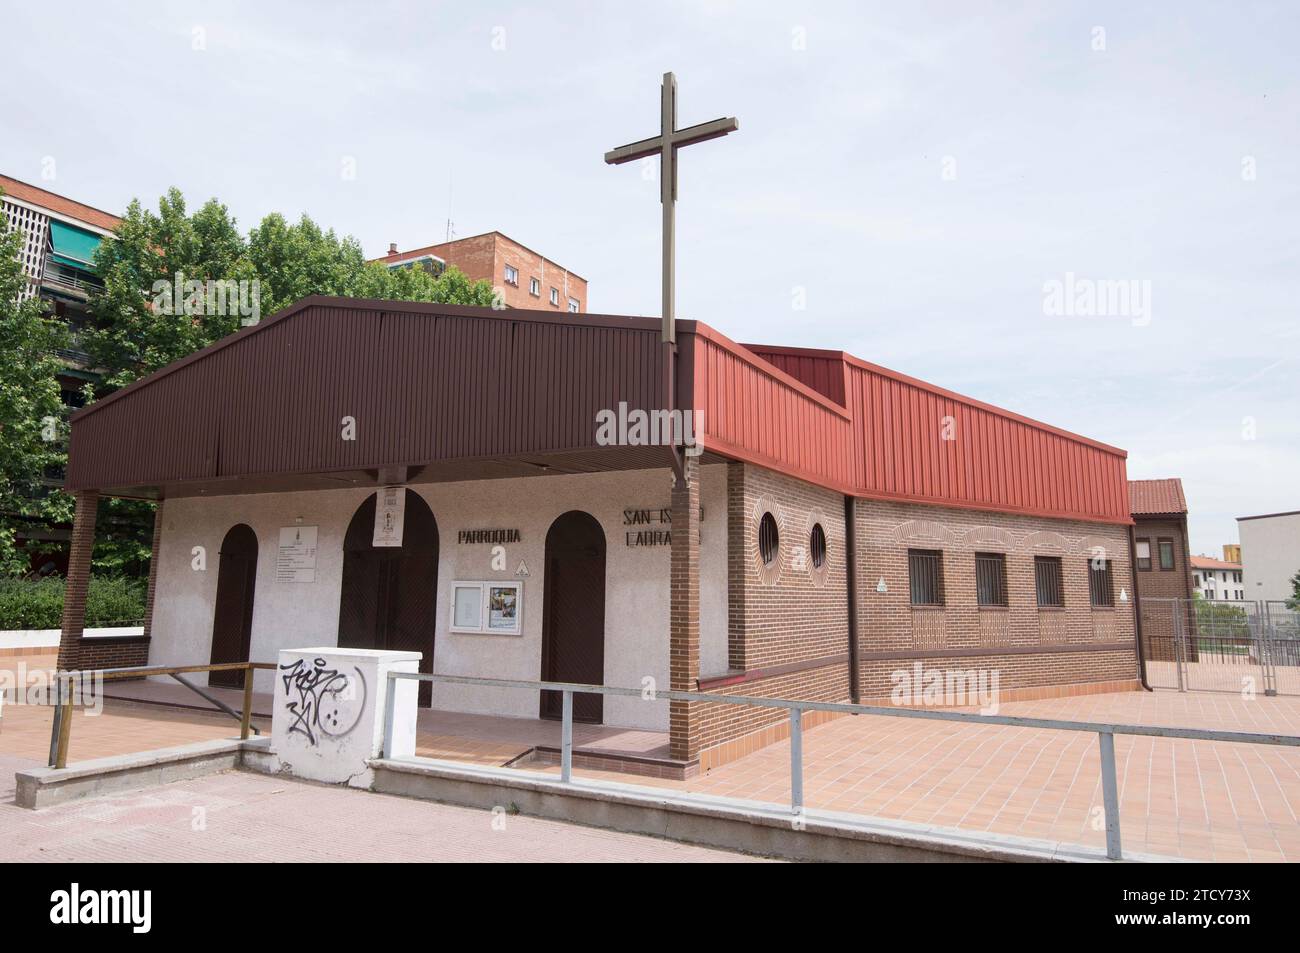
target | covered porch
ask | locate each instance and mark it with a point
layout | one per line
(300, 422)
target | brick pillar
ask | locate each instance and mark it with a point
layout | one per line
(684, 614)
(74, 594)
(153, 569)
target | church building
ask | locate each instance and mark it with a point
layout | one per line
(494, 490)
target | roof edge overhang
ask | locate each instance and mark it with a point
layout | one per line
(376, 304)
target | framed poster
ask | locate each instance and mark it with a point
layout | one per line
(503, 607)
(491, 608)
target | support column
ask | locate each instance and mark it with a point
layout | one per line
(684, 614)
(153, 569)
(74, 593)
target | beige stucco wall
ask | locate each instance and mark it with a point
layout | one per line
(1270, 554)
(289, 615)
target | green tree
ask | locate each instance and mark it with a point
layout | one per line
(1294, 601)
(137, 328)
(141, 321)
(32, 415)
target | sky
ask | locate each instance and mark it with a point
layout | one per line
(913, 183)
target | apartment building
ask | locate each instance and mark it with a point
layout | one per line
(521, 277)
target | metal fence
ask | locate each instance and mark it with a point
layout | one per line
(1221, 645)
(1105, 732)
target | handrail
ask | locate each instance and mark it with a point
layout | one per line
(1105, 731)
(61, 729)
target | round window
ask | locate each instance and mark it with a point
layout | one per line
(769, 539)
(817, 546)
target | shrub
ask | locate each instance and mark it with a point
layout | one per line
(38, 603)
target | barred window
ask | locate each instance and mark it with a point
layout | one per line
(991, 579)
(769, 539)
(817, 545)
(1101, 584)
(1047, 581)
(925, 570)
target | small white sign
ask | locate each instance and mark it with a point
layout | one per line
(295, 561)
(390, 516)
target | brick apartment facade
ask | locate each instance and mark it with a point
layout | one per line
(522, 277)
(1163, 568)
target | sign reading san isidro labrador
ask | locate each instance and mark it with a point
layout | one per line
(647, 523)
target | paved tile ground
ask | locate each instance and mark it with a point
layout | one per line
(1198, 800)
(241, 817)
(121, 728)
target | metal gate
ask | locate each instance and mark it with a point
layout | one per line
(1221, 645)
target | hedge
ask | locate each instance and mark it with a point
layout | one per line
(38, 603)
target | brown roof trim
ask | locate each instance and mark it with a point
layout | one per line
(378, 304)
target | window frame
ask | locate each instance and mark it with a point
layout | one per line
(1161, 542)
(929, 578)
(1000, 598)
(1137, 553)
(509, 270)
(769, 540)
(1101, 584)
(535, 287)
(1055, 586)
(817, 554)
(555, 297)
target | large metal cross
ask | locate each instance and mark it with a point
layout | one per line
(666, 144)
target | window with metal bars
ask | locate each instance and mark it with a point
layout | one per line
(1047, 582)
(1101, 587)
(991, 579)
(925, 571)
(769, 539)
(817, 545)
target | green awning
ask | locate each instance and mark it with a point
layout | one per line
(73, 246)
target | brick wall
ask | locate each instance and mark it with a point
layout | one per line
(788, 624)
(1030, 646)
(1155, 585)
(484, 258)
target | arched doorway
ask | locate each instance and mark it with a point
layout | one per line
(390, 592)
(573, 626)
(232, 616)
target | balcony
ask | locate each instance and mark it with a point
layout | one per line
(63, 279)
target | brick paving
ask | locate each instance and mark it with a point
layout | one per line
(238, 816)
(121, 728)
(1197, 800)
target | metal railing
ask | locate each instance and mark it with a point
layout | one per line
(1105, 732)
(61, 729)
